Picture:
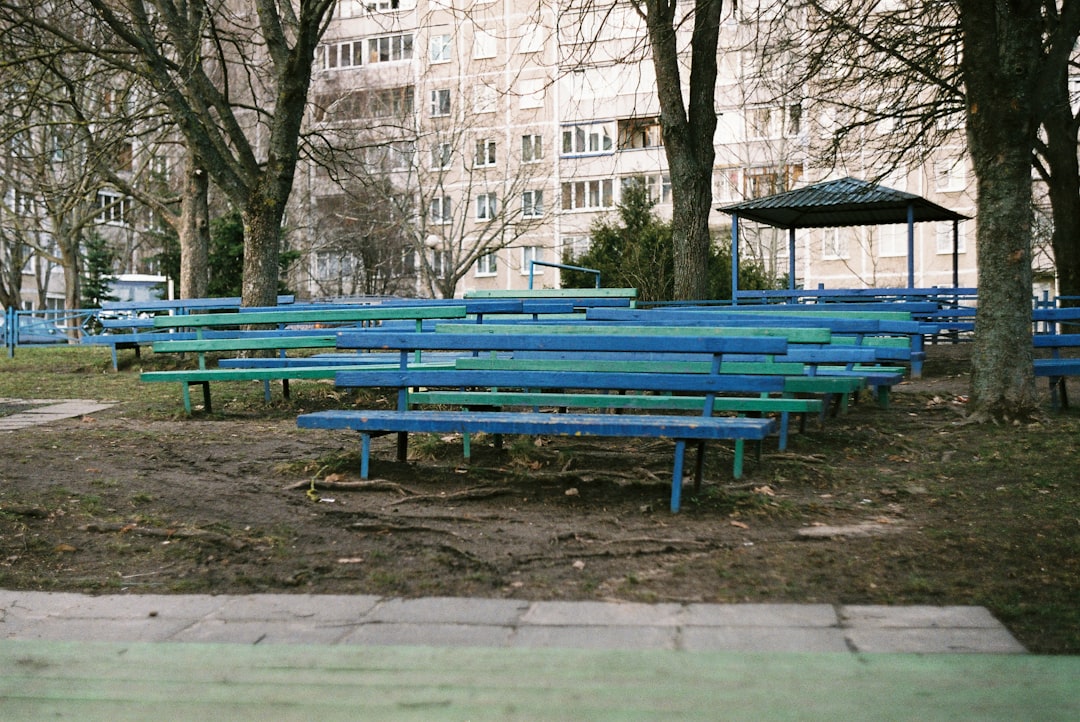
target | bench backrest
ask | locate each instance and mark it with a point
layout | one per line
(791, 335)
(322, 315)
(576, 293)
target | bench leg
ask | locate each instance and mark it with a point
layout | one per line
(185, 394)
(365, 455)
(285, 388)
(266, 390)
(785, 418)
(206, 396)
(699, 467)
(403, 446)
(737, 471)
(466, 446)
(676, 476)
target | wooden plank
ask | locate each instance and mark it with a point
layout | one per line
(259, 343)
(612, 366)
(282, 372)
(116, 682)
(342, 315)
(613, 401)
(555, 293)
(499, 341)
(793, 335)
(692, 383)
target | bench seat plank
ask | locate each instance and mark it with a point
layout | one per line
(678, 428)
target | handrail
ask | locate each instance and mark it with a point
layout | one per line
(534, 263)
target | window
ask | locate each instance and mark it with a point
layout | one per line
(124, 155)
(440, 103)
(440, 155)
(486, 206)
(340, 55)
(530, 93)
(834, 244)
(893, 240)
(944, 233)
(439, 49)
(113, 209)
(530, 254)
(487, 265)
(575, 246)
(398, 155)
(726, 185)
(390, 48)
(771, 179)
(532, 204)
(658, 185)
(440, 263)
(485, 45)
(485, 99)
(485, 152)
(532, 148)
(587, 139)
(385, 6)
(640, 133)
(382, 103)
(532, 39)
(440, 209)
(582, 195)
(950, 175)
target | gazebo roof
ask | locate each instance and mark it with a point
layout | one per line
(837, 203)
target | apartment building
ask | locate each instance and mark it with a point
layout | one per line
(496, 132)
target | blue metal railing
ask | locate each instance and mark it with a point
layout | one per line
(534, 264)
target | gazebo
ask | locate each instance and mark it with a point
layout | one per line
(835, 204)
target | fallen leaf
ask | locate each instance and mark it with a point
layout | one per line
(333, 478)
(571, 492)
(579, 565)
(64, 548)
(739, 524)
(350, 560)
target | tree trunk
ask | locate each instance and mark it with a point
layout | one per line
(262, 250)
(1063, 186)
(688, 134)
(1002, 46)
(194, 233)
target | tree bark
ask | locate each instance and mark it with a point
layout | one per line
(1002, 48)
(689, 128)
(194, 232)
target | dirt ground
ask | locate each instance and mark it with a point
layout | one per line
(899, 505)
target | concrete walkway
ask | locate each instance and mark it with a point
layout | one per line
(43, 411)
(371, 620)
(305, 657)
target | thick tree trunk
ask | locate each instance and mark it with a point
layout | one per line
(688, 129)
(194, 233)
(1063, 186)
(262, 251)
(1002, 48)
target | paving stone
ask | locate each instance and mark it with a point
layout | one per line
(324, 608)
(596, 637)
(261, 632)
(137, 606)
(761, 615)
(458, 610)
(431, 634)
(612, 613)
(763, 639)
(917, 616)
(934, 641)
(154, 629)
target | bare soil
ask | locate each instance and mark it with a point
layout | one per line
(902, 505)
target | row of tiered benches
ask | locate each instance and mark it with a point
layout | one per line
(655, 365)
(311, 327)
(571, 388)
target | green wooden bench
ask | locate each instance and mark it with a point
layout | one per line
(678, 427)
(279, 332)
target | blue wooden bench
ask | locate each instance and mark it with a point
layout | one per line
(1057, 369)
(681, 429)
(130, 324)
(289, 330)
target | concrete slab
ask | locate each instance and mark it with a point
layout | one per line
(435, 634)
(761, 615)
(764, 639)
(596, 637)
(326, 608)
(104, 630)
(934, 641)
(603, 613)
(455, 610)
(881, 616)
(261, 632)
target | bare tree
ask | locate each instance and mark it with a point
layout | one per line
(689, 125)
(235, 81)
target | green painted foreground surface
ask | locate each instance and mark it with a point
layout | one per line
(172, 681)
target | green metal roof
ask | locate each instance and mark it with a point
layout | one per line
(844, 202)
